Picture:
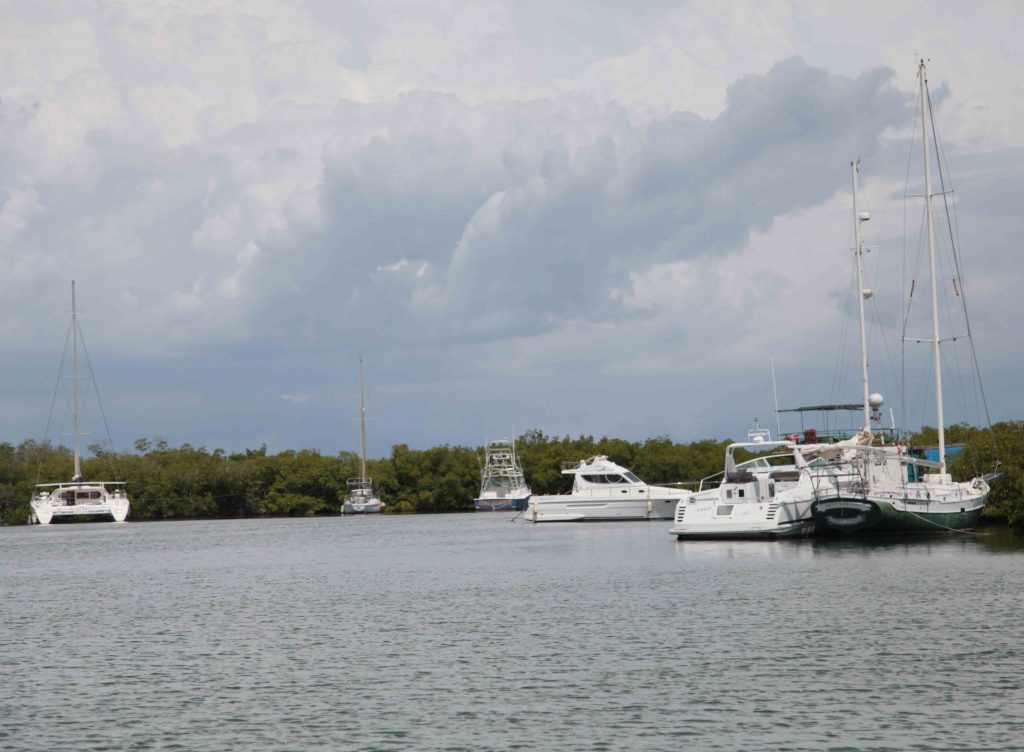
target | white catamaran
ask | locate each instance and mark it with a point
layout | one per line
(603, 490)
(502, 485)
(360, 498)
(78, 498)
(882, 495)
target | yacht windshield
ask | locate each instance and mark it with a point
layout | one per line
(632, 478)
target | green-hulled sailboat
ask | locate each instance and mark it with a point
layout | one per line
(880, 496)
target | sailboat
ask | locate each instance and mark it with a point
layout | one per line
(360, 498)
(79, 497)
(882, 495)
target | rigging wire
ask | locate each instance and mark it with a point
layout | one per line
(99, 400)
(53, 401)
(904, 406)
(959, 275)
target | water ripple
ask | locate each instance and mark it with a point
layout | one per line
(467, 633)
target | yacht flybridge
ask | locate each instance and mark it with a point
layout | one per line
(502, 485)
(360, 498)
(603, 490)
(79, 498)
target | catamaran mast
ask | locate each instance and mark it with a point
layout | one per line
(74, 382)
(362, 425)
(861, 294)
(922, 75)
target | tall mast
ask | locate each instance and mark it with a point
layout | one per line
(922, 75)
(861, 294)
(362, 425)
(74, 381)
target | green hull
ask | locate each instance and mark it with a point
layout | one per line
(859, 516)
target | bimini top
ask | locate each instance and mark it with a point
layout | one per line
(849, 406)
(599, 470)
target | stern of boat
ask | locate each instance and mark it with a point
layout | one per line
(42, 509)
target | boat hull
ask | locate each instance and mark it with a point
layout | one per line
(45, 512)
(857, 516)
(786, 530)
(569, 509)
(700, 520)
(507, 504)
(360, 507)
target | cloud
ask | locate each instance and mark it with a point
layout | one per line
(471, 194)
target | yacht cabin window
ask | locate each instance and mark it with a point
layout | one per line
(604, 479)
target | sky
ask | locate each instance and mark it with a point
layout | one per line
(583, 217)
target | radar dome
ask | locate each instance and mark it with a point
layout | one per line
(876, 400)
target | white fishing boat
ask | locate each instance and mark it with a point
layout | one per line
(79, 498)
(887, 494)
(605, 491)
(502, 484)
(360, 498)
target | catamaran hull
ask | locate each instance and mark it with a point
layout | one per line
(555, 509)
(45, 512)
(349, 508)
(507, 504)
(858, 516)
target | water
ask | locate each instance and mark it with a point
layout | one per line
(469, 632)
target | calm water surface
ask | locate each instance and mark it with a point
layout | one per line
(469, 632)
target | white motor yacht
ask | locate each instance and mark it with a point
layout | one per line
(603, 490)
(768, 496)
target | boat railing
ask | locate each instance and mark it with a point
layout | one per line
(684, 485)
(711, 481)
(77, 484)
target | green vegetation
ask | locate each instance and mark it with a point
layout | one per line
(188, 482)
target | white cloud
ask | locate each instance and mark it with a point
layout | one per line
(493, 183)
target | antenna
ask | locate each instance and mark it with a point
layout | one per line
(775, 394)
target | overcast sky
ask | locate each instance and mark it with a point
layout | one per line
(576, 216)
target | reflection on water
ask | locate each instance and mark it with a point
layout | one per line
(471, 631)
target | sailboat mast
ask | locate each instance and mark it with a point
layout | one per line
(859, 253)
(362, 425)
(922, 75)
(74, 382)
